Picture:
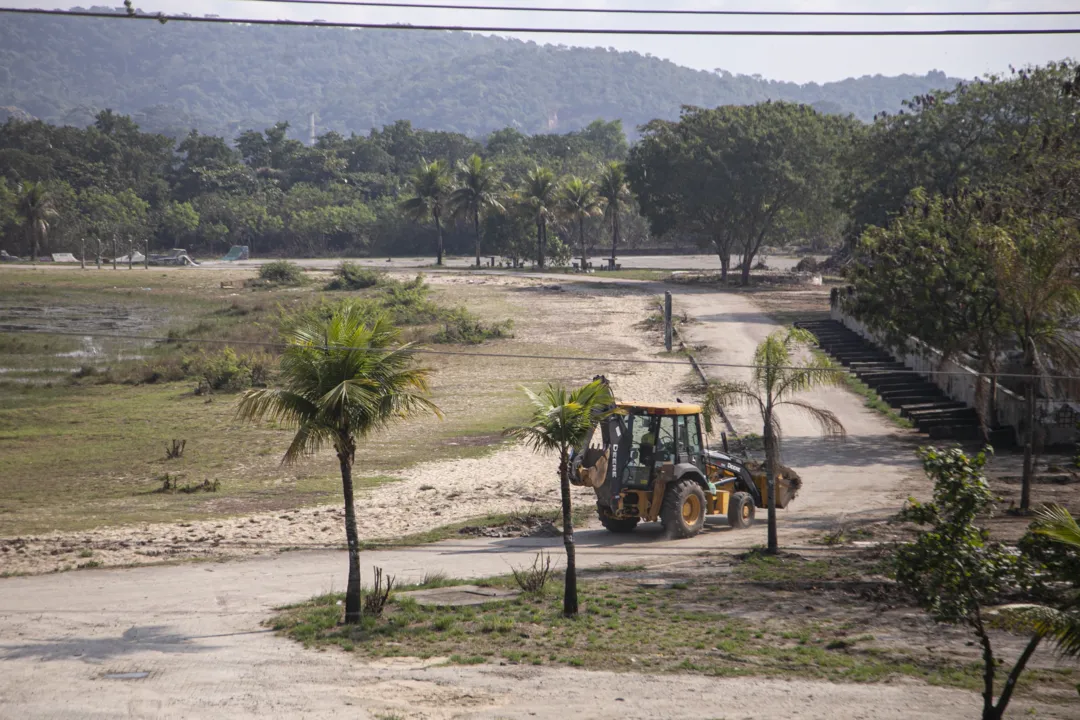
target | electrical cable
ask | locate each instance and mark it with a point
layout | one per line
(163, 18)
(508, 356)
(692, 12)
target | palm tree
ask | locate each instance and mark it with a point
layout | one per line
(341, 378)
(561, 421)
(775, 384)
(430, 185)
(579, 201)
(541, 195)
(1063, 625)
(1039, 291)
(479, 190)
(35, 209)
(614, 191)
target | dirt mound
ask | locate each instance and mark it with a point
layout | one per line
(524, 526)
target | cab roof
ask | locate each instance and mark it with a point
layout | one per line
(660, 408)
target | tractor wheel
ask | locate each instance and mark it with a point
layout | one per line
(683, 511)
(614, 524)
(740, 512)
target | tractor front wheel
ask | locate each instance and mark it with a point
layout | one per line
(614, 524)
(683, 511)
(740, 513)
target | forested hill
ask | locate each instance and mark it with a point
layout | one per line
(222, 79)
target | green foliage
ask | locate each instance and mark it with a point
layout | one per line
(463, 328)
(281, 272)
(559, 252)
(350, 276)
(740, 177)
(231, 372)
(953, 569)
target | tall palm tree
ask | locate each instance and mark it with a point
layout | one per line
(1039, 290)
(561, 421)
(35, 209)
(479, 190)
(541, 196)
(430, 185)
(579, 201)
(340, 379)
(615, 192)
(775, 384)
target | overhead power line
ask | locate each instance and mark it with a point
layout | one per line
(162, 17)
(692, 12)
(505, 356)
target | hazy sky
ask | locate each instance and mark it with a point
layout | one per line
(797, 59)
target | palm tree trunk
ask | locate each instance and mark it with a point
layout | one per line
(570, 604)
(540, 244)
(1014, 675)
(614, 236)
(581, 238)
(352, 589)
(438, 232)
(773, 545)
(476, 227)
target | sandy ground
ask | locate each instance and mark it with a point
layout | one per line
(194, 628)
(511, 479)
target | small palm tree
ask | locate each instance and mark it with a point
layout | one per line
(341, 378)
(614, 191)
(562, 420)
(775, 384)
(1063, 626)
(430, 185)
(479, 190)
(579, 201)
(35, 209)
(540, 195)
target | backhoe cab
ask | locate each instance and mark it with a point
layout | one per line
(649, 462)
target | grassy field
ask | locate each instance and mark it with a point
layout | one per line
(84, 422)
(727, 621)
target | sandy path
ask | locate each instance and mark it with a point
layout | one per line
(195, 628)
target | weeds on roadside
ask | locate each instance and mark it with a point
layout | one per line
(375, 599)
(534, 579)
(280, 272)
(350, 276)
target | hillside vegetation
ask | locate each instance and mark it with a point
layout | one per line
(224, 79)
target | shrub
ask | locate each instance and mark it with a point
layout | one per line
(350, 276)
(558, 252)
(463, 327)
(534, 579)
(281, 272)
(806, 264)
(228, 371)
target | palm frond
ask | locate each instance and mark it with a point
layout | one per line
(826, 420)
(1057, 523)
(1060, 626)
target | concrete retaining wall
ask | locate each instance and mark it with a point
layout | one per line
(959, 382)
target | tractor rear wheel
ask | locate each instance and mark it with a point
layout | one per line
(740, 512)
(614, 524)
(683, 511)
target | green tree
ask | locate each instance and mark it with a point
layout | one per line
(341, 378)
(178, 221)
(540, 195)
(479, 190)
(35, 210)
(954, 570)
(777, 379)
(740, 176)
(430, 186)
(615, 193)
(561, 421)
(578, 201)
(1036, 259)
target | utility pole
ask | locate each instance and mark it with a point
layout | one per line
(312, 129)
(667, 321)
(115, 247)
(146, 253)
(82, 253)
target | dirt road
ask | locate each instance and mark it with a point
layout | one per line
(195, 628)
